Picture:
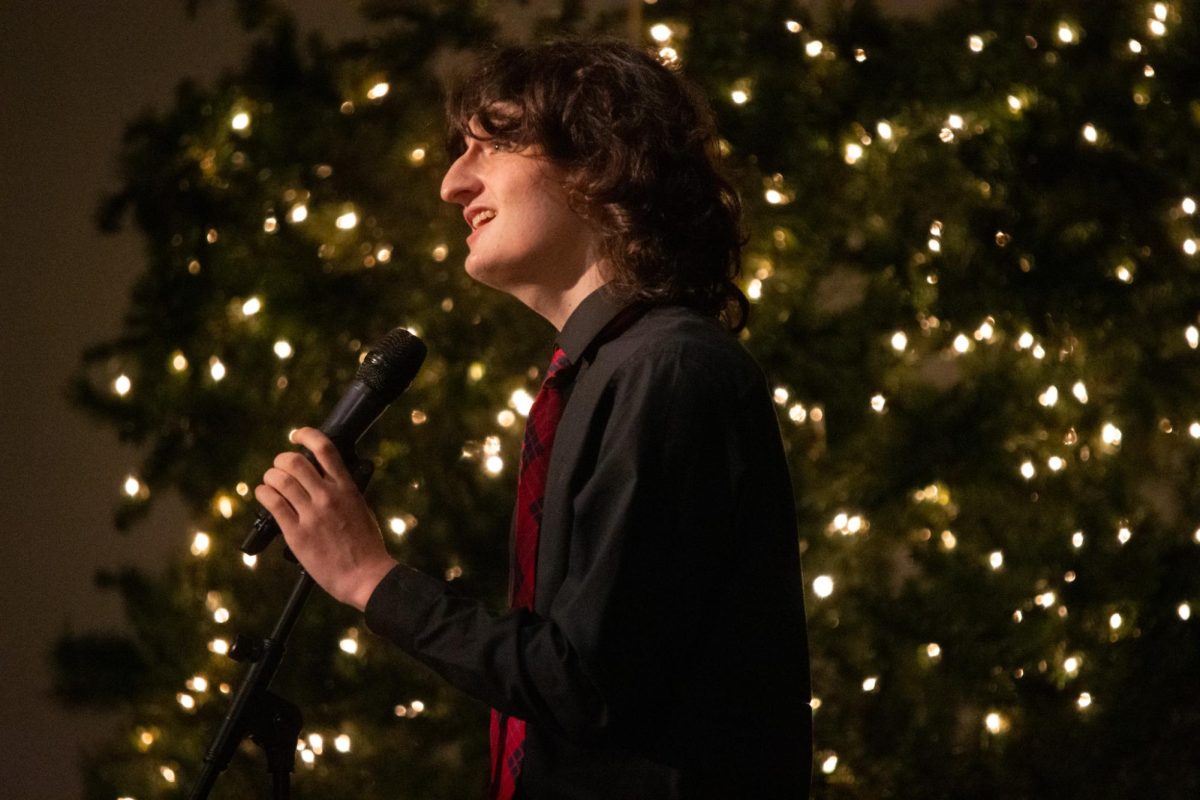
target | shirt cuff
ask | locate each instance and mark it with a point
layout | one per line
(400, 603)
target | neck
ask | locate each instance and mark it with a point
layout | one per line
(555, 303)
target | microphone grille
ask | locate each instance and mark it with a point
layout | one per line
(392, 363)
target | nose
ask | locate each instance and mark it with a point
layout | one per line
(461, 182)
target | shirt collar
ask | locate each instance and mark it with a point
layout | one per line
(586, 321)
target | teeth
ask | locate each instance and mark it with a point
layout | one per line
(482, 217)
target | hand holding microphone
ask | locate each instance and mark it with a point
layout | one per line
(315, 501)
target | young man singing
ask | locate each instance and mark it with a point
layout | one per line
(656, 644)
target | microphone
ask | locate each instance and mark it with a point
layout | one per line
(387, 370)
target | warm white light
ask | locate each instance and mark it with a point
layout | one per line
(814, 48)
(1014, 102)
(1055, 463)
(975, 43)
(1084, 700)
(1080, 392)
(240, 121)
(348, 645)
(1160, 12)
(899, 341)
(854, 152)
(774, 197)
(283, 348)
(378, 91)
(1065, 34)
(1045, 600)
(251, 307)
(521, 401)
(780, 395)
(1124, 535)
(995, 722)
(398, 526)
(216, 369)
(179, 361)
(797, 413)
(494, 465)
(823, 586)
(829, 765)
(955, 121)
(1028, 470)
(132, 486)
(878, 403)
(739, 96)
(506, 418)
(793, 26)
(298, 213)
(1194, 430)
(754, 289)
(1089, 133)
(1114, 621)
(308, 757)
(1189, 246)
(1071, 665)
(661, 33)
(249, 560)
(347, 221)
(198, 683)
(201, 543)
(1135, 46)
(186, 700)
(219, 646)
(1185, 611)
(221, 616)
(933, 650)
(1188, 205)
(870, 684)
(316, 742)
(884, 130)
(1077, 539)
(122, 385)
(1157, 28)
(342, 743)
(996, 559)
(1111, 434)
(225, 506)
(1192, 334)
(1049, 398)
(961, 343)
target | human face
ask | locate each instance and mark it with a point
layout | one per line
(533, 244)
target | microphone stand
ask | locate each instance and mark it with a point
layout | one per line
(270, 721)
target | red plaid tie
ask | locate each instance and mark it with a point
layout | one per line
(508, 733)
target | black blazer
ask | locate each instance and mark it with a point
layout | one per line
(666, 655)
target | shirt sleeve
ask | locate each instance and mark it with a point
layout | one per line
(653, 527)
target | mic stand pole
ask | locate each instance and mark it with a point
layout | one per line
(270, 721)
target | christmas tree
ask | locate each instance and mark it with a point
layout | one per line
(973, 262)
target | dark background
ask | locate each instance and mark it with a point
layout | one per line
(71, 75)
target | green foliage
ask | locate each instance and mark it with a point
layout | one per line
(1014, 247)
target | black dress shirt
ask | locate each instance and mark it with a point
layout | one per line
(666, 655)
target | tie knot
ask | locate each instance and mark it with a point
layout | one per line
(558, 362)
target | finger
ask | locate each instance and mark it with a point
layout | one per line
(299, 467)
(327, 455)
(279, 507)
(292, 490)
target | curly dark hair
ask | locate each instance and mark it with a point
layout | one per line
(640, 148)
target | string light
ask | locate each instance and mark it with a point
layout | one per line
(216, 369)
(249, 560)
(1185, 611)
(342, 743)
(829, 764)
(1188, 206)
(870, 684)
(240, 121)
(1085, 700)
(122, 385)
(995, 722)
(1111, 434)
(522, 401)
(996, 559)
(814, 48)
(347, 220)
(661, 33)
(975, 43)
(1080, 392)
(822, 586)
(200, 543)
(251, 307)
(298, 213)
(378, 91)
